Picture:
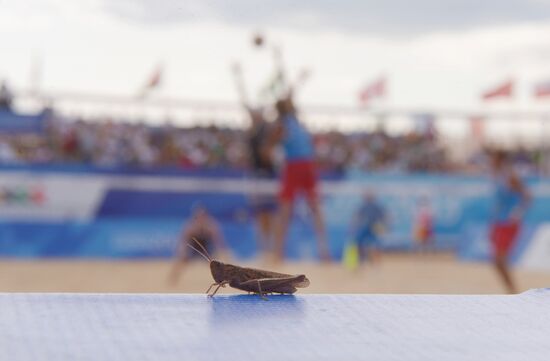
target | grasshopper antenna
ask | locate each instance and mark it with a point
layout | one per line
(203, 248)
(199, 252)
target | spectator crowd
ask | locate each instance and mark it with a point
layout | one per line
(107, 143)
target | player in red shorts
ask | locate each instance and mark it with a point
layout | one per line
(510, 201)
(298, 176)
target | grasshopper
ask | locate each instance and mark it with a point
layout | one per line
(252, 280)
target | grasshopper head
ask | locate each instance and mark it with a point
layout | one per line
(217, 269)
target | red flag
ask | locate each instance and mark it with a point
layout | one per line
(504, 90)
(152, 83)
(542, 90)
(376, 89)
(155, 79)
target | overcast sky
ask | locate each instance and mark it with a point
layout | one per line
(438, 54)
(367, 17)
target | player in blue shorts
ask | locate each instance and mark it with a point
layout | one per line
(370, 219)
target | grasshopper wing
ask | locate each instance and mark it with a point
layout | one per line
(279, 285)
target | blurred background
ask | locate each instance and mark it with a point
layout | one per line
(128, 127)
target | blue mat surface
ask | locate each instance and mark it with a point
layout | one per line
(305, 327)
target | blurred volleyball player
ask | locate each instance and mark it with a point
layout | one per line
(424, 225)
(298, 175)
(368, 224)
(264, 204)
(510, 201)
(202, 227)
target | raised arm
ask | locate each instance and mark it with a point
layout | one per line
(240, 85)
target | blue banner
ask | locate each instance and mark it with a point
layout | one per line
(128, 216)
(11, 122)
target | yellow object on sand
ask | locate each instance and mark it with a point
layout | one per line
(350, 257)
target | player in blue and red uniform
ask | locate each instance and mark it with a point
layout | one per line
(298, 176)
(510, 201)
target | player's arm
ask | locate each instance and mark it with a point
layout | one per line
(300, 81)
(240, 86)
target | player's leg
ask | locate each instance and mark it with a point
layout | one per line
(368, 245)
(501, 265)
(319, 224)
(286, 200)
(265, 219)
(374, 254)
(502, 238)
(263, 206)
(373, 246)
(313, 200)
(285, 212)
(269, 222)
(177, 267)
(269, 228)
(263, 229)
(360, 241)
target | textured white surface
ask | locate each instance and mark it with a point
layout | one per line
(310, 327)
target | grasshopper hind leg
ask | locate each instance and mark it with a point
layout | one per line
(262, 295)
(283, 285)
